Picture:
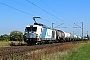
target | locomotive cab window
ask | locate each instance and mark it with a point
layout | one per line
(31, 29)
(41, 30)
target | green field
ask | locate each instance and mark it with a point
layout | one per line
(83, 53)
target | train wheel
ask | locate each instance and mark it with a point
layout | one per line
(38, 43)
(50, 42)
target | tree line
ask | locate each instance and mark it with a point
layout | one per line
(18, 36)
(14, 36)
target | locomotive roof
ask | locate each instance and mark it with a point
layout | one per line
(41, 25)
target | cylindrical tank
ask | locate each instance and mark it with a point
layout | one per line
(79, 37)
(71, 35)
(67, 35)
(75, 36)
(60, 33)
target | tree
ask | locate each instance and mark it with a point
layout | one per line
(16, 35)
(4, 37)
(1, 38)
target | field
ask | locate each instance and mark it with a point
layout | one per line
(82, 52)
(7, 43)
(4, 44)
(78, 51)
(72, 51)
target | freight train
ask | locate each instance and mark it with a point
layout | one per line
(39, 34)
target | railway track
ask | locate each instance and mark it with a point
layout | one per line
(20, 50)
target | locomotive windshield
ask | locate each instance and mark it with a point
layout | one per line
(31, 28)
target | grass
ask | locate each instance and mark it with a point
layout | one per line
(51, 53)
(83, 53)
(78, 51)
(72, 51)
(4, 44)
(7, 43)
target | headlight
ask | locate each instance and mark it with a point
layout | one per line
(26, 39)
(25, 35)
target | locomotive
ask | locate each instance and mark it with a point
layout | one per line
(39, 34)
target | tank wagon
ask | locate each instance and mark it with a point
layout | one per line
(39, 33)
(76, 37)
(60, 36)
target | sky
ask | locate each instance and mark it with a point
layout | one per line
(17, 14)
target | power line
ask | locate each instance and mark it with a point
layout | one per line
(58, 25)
(50, 8)
(29, 9)
(43, 10)
(16, 9)
(19, 10)
(24, 6)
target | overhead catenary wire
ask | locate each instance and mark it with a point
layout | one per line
(53, 10)
(50, 8)
(20, 10)
(43, 10)
(46, 11)
(30, 9)
(16, 9)
(25, 6)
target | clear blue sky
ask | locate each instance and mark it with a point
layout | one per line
(16, 14)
